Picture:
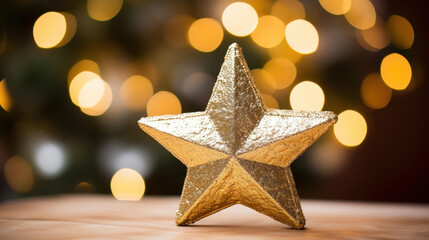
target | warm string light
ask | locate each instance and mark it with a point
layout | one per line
(283, 72)
(396, 71)
(240, 19)
(19, 174)
(162, 103)
(269, 32)
(205, 34)
(5, 101)
(285, 34)
(351, 128)
(302, 36)
(103, 10)
(135, 92)
(374, 92)
(127, 185)
(54, 29)
(307, 96)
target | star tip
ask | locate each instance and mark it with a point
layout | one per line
(234, 46)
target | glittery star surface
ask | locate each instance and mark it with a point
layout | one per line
(238, 151)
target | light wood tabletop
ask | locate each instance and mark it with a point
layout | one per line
(103, 217)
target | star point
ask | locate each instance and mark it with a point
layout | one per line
(237, 151)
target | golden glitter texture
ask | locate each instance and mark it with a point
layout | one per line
(238, 151)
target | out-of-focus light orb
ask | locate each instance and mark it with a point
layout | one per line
(78, 82)
(283, 50)
(19, 174)
(376, 36)
(374, 92)
(84, 187)
(302, 36)
(307, 96)
(282, 70)
(401, 31)
(102, 105)
(350, 130)
(328, 158)
(269, 32)
(135, 92)
(115, 155)
(163, 102)
(176, 29)
(205, 34)
(197, 87)
(54, 29)
(396, 71)
(240, 19)
(288, 10)
(135, 159)
(5, 101)
(81, 66)
(127, 185)
(103, 10)
(270, 101)
(361, 14)
(263, 80)
(50, 159)
(91, 93)
(336, 7)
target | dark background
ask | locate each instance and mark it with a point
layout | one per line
(392, 164)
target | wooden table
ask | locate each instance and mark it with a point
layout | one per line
(103, 217)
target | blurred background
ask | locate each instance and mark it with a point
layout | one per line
(76, 76)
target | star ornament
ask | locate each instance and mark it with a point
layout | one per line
(238, 151)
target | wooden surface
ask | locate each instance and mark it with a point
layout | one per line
(103, 217)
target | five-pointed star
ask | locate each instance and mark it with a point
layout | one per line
(238, 150)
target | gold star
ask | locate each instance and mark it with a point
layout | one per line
(238, 151)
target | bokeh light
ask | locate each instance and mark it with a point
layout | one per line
(197, 86)
(127, 185)
(401, 31)
(396, 71)
(163, 102)
(84, 187)
(263, 80)
(336, 7)
(78, 82)
(283, 72)
(374, 92)
(5, 101)
(269, 32)
(135, 92)
(91, 93)
(351, 128)
(270, 101)
(54, 29)
(19, 174)
(283, 50)
(376, 36)
(114, 155)
(102, 105)
(361, 14)
(240, 19)
(103, 10)
(50, 159)
(307, 96)
(175, 30)
(288, 10)
(205, 34)
(302, 36)
(328, 158)
(81, 66)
